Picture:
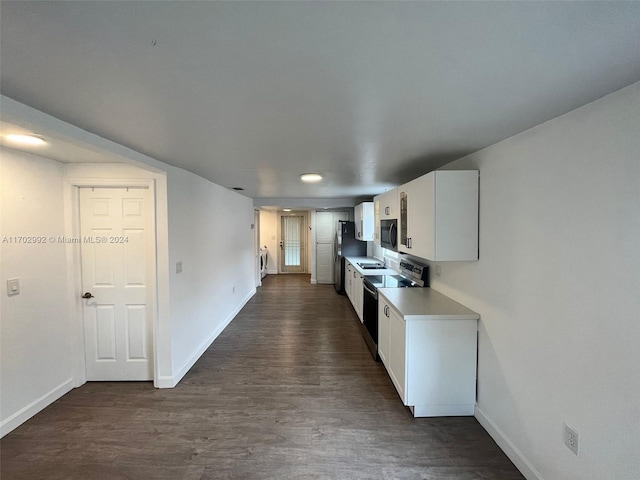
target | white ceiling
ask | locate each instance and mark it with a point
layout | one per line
(369, 94)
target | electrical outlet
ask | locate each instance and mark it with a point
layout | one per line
(571, 438)
(233, 290)
(438, 270)
(13, 286)
(178, 267)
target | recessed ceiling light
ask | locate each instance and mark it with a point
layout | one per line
(286, 209)
(310, 177)
(25, 139)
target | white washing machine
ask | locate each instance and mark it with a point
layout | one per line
(263, 261)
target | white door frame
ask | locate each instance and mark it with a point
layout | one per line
(74, 266)
(256, 245)
(305, 258)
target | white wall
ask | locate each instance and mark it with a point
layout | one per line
(269, 237)
(210, 233)
(38, 345)
(558, 289)
(35, 354)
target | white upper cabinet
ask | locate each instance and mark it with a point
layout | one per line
(376, 220)
(386, 206)
(364, 216)
(389, 205)
(439, 216)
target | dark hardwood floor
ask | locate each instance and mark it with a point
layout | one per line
(288, 391)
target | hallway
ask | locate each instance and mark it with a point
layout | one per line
(288, 390)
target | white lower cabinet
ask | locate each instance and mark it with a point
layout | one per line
(392, 344)
(353, 287)
(383, 332)
(357, 293)
(348, 280)
(398, 353)
(430, 359)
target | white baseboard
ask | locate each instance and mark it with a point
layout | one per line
(164, 382)
(25, 413)
(272, 272)
(515, 455)
(464, 410)
(170, 382)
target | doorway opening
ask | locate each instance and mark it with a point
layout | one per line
(293, 233)
(114, 289)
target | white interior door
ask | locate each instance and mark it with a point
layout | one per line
(326, 224)
(116, 255)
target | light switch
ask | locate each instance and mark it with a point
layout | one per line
(179, 267)
(13, 286)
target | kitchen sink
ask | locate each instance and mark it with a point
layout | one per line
(371, 265)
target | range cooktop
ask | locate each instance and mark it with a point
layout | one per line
(389, 281)
(412, 274)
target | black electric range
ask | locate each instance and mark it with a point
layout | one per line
(412, 274)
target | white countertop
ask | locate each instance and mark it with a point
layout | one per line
(380, 271)
(426, 304)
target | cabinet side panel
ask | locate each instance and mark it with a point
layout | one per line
(441, 362)
(456, 217)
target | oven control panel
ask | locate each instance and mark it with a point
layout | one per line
(415, 271)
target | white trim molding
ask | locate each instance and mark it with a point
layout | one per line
(510, 450)
(170, 382)
(71, 186)
(25, 413)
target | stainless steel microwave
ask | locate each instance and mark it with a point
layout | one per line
(389, 234)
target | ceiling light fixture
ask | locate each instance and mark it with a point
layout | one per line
(310, 177)
(286, 209)
(24, 139)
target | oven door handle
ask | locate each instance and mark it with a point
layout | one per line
(375, 294)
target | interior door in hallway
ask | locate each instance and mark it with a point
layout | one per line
(326, 224)
(116, 255)
(293, 239)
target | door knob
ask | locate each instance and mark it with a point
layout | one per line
(88, 295)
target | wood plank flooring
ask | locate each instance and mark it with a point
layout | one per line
(288, 391)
